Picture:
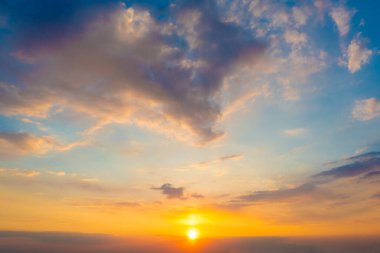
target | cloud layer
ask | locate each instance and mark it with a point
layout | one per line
(176, 68)
(121, 65)
(326, 188)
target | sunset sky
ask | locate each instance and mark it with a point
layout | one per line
(150, 118)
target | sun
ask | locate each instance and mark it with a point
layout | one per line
(192, 234)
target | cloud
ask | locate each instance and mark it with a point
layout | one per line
(295, 38)
(176, 69)
(357, 55)
(34, 180)
(197, 196)
(366, 109)
(15, 101)
(121, 65)
(171, 192)
(342, 17)
(301, 15)
(103, 204)
(57, 173)
(357, 165)
(37, 24)
(14, 144)
(322, 6)
(208, 163)
(372, 175)
(282, 69)
(294, 132)
(19, 173)
(231, 157)
(304, 191)
(324, 187)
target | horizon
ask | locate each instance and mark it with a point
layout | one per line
(19, 242)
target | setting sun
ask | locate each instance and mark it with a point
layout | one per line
(192, 233)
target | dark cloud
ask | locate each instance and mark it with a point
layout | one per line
(49, 22)
(316, 187)
(18, 139)
(258, 196)
(364, 156)
(303, 192)
(372, 175)
(123, 63)
(357, 165)
(197, 196)
(171, 192)
(46, 242)
(13, 144)
(159, 9)
(231, 157)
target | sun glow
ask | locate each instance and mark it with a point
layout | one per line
(192, 234)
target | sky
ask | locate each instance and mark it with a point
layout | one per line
(147, 118)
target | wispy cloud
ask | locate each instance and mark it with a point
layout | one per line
(295, 132)
(231, 157)
(18, 172)
(307, 190)
(37, 180)
(357, 165)
(57, 173)
(224, 158)
(103, 204)
(342, 18)
(14, 144)
(372, 175)
(322, 187)
(366, 109)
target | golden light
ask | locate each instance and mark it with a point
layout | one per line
(193, 220)
(192, 233)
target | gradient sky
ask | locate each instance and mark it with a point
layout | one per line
(239, 118)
